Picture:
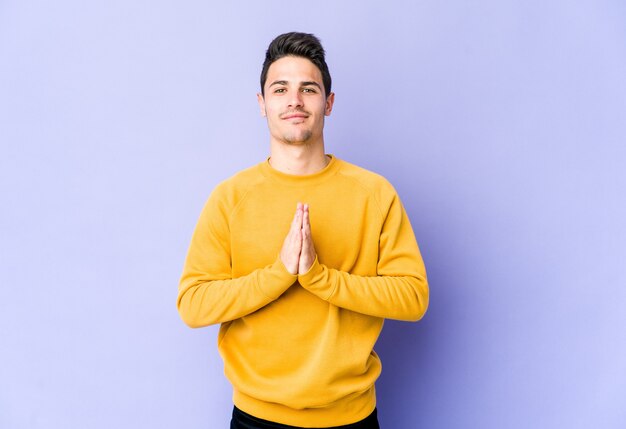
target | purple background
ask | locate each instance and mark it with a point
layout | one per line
(502, 125)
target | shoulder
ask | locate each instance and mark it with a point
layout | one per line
(373, 183)
(232, 190)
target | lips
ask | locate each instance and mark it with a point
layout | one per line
(294, 115)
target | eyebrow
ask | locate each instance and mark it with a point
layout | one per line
(304, 83)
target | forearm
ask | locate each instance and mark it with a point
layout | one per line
(205, 300)
(393, 297)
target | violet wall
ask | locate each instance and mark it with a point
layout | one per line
(502, 125)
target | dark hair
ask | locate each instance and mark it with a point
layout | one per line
(298, 45)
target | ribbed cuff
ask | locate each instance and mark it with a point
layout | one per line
(316, 280)
(275, 279)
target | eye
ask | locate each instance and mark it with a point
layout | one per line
(279, 90)
(309, 90)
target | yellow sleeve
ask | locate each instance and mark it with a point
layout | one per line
(400, 289)
(207, 292)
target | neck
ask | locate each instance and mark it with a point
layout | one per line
(298, 160)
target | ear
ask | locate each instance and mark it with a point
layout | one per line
(330, 100)
(261, 101)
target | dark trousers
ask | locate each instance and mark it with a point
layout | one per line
(243, 420)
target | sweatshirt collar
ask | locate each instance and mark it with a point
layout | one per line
(308, 179)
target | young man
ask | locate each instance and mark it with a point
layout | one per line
(301, 297)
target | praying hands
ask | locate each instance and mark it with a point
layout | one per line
(298, 252)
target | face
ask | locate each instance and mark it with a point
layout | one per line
(295, 102)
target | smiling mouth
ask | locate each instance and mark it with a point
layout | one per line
(295, 116)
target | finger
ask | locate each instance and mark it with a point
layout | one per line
(292, 246)
(307, 240)
(306, 232)
(307, 256)
(297, 219)
(296, 231)
(306, 224)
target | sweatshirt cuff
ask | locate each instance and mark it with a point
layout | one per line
(276, 279)
(316, 280)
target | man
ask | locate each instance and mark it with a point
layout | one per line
(301, 297)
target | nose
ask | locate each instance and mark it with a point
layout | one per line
(295, 99)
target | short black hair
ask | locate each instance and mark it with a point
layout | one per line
(298, 45)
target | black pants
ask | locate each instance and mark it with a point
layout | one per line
(243, 420)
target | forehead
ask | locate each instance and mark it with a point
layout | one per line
(294, 70)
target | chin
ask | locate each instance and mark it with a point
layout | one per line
(298, 140)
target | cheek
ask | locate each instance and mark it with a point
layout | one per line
(271, 108)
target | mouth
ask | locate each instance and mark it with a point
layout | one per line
(297, 115)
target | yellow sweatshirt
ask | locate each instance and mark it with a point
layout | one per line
(298, 349)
